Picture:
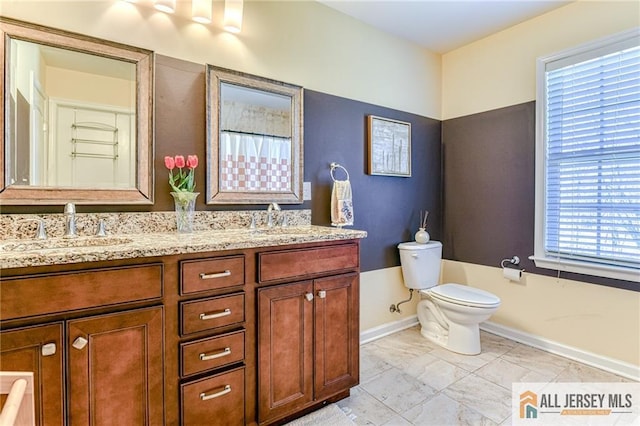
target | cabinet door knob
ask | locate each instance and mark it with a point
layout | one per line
(48, 349)
(80, 343)
(322, 294)
(309, 296)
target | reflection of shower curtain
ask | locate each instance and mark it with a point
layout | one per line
(254, 162)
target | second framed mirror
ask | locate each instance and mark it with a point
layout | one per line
(254, 139)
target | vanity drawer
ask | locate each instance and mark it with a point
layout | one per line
(214, 352)
(217, 400)
(211, 274)
(279, 265)
(67, 291)
(211, 313)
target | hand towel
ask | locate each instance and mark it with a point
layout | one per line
(341, 203)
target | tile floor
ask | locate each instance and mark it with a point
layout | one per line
(406, 380)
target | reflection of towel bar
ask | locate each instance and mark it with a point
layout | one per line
(103, 127)
(88, 155)
(92, 141)
(337, 166)
(95, 126)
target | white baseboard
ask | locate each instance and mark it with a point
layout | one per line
(380, 331)
(611, 365)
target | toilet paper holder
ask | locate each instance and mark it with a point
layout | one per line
(515, 260)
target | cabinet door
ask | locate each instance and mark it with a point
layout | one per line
(285, 345)
(336, 334)
(38, 350)
(116, 369)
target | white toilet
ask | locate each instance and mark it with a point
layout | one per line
(449, 314)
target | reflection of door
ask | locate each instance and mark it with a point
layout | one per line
(38, 133)
(92, 147)
(20, 145)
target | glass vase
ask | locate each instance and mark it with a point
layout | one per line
(185, 203)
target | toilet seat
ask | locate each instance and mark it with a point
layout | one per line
(464, 295)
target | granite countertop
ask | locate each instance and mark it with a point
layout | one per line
(19, 253)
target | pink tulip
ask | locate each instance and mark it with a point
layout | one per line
(192, 161)
(180, 161)
(169, 162)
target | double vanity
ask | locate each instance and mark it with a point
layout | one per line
(227, 325)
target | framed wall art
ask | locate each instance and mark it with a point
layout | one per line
(389, 147)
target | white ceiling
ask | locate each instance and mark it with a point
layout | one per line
(443, 25)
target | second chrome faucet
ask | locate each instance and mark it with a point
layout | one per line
(270, 209)
(70, 221)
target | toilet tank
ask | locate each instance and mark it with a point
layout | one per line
(420, 264)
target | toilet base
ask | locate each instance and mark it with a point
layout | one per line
(464, 340)
(454, 332)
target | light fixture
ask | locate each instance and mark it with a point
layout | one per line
(167, 6)
(201, 11)
(233, 15)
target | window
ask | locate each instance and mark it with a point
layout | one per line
(588, 159)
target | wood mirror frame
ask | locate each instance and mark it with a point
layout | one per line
(143, 60)
(218, 192)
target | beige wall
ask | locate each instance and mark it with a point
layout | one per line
(499, 70)
(594, 318)
(301, 42)
(378, 290)
(91, 88)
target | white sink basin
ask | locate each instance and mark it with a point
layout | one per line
(284, 231)
(61, 243)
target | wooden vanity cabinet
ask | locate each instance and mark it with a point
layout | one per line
(94, 340)
(239, 337)
(308, 331)
(212, 341)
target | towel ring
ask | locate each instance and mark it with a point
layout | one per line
(337, 166)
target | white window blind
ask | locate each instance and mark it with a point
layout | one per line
(591, 157)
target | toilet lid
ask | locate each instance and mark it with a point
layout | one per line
(412, 245)
(465, 295)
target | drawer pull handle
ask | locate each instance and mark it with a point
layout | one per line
(215, 315)
(220, 354)
(224, 391)
(204, 276)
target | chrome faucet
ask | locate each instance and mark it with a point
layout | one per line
(41, 233)
(70, 220)
(270, 209)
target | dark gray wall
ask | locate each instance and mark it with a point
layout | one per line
(489, 190)
(388, 208)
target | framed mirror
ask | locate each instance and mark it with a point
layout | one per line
(76, 118)
(254, 139)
